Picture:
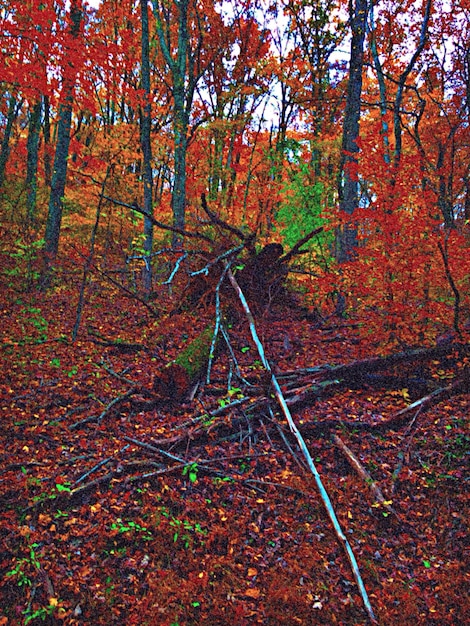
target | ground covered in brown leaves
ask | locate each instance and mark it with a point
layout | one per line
(114, 512)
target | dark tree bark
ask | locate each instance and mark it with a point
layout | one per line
(181, 62)
(381, 81)
(59, 174)
(349, 184)
(47, 142)
(145, 128)
(402, 83)
(12, 114)
(32, 160)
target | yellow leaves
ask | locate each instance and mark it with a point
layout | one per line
(377, 505)
(400, 392)
(405, 394)
(223, 515)
(252, 593)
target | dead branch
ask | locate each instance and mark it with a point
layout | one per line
(109, 406)
(118, 344)
(300, 440)
(215, 219)
(364, 474)
(157, 223)
(458, 386)
(296, 248)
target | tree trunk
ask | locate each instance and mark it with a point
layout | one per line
(32, 161)
(349, 184)
(402, 82)
(181, 65)
(180, 127)
(59, 174)
(381, 82)
(5, 149)
(145, 128)
(47, 142)
(175, 382)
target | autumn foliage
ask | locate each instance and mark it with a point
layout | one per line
(136, 489)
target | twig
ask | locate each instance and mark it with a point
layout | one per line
(284, 439)
(424, 403)
(300, 440)
(108, 407)
(155, 222)
(110, 370)
(296, 249)
(89, 260)
(364, 474)
(98, 465)
(217, 220)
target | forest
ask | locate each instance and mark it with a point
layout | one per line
(235, 312)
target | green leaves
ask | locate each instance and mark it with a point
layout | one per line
(191, 472)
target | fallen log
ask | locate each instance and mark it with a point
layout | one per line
(175, 382)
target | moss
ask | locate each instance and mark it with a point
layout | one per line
(194, 358)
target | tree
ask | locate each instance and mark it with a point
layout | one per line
(180, 57)
(236, 83)
(59, 174)
(32, 159)
(145, 128)
(402, 83)
(349, 184)
(12, 114)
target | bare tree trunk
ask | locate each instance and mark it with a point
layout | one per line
(47, 142)
(145, 127)
(402, 83)
(349, 184)
(32, 161)
(182, 71)
(59, 174)
(5, 146)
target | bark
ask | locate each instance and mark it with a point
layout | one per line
(47, 142)
(176, 381)
(145, 128)
(12, 114)
(181, 64)
(381, 82)
(349, 184)
(59, 174)
(32, 160)
(402, 83)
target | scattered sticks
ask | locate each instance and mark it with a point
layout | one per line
(305, 451)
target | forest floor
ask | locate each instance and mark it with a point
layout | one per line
(116, 513)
